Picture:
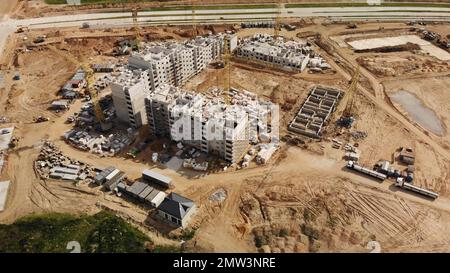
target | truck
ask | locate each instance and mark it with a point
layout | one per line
(400, 182)
(352, 165)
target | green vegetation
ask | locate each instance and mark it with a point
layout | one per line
(310, 231)
(207, 7)
(260, 241)
(50, 233)
(284, 232)
(359, 4)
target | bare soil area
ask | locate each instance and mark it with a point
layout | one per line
(303, 200)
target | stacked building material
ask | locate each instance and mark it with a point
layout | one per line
(51, 163)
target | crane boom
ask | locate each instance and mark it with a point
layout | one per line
(277, 19)
(348, 112)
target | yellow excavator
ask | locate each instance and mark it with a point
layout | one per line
(100, 117)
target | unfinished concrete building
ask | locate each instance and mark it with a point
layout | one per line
(316, 110)
(129, 91)
(175, 63)
(161, 65)
(215, 128)
(288, 55)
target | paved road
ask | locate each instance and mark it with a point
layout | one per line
(7, 26)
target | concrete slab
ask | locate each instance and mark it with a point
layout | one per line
(4, 185)
(401, 40)
(5, 137)
(174, 163)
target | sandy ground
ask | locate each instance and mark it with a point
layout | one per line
(6, 7)
(304, 200)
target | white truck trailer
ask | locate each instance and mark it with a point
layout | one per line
(400, 182)
(352, 165)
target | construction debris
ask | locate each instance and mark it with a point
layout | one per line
(97, 143)
(192, 164)
(358, 135)
(219, 195)
(51, 163)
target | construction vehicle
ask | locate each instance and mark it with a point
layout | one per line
(407, 155)
(400, 182)
(352, 25)
(353, 166)
(13, 143)
(85, 25)
(39, 39)
(347, 118)
(40, 119)
(100, 117)
(21, 29)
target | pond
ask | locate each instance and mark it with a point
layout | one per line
(421, 114)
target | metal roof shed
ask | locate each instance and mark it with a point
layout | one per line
(145, 192)
(136, 188)
(157, 178)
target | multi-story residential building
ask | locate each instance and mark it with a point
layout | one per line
(289, 55)
(207, 124)
(129, 91)
(175, 63)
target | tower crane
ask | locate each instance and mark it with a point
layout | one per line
(347, 116)
(89, 83)
(134, 14)
(194, 22)
(277, 24)
(227, 67)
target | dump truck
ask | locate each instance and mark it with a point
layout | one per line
(352, 165)
(400, 182)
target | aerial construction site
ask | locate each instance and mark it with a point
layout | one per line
(219, 126)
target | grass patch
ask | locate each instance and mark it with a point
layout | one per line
(103, 232)
(207, 7)
(357, 4)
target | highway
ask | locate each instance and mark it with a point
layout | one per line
(213, 16)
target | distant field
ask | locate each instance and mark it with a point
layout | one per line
(351, 4)
(262, 6)
(50, 233)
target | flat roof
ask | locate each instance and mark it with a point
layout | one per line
(146, 192)
(157, 176)
(137, 188)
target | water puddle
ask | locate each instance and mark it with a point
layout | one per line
(421, 114)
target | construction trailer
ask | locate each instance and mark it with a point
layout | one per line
(353, 166)
(59, 105)
(143, 192)
(154, 177)
(407, 155)
(400, 182)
